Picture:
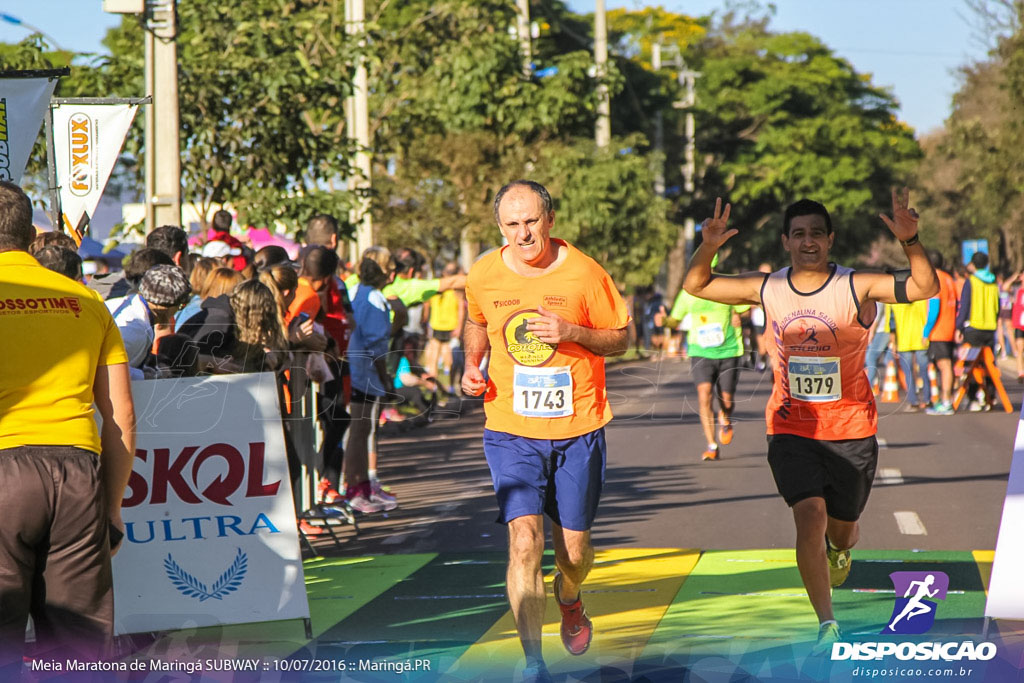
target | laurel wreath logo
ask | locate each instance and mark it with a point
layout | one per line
(192, 587)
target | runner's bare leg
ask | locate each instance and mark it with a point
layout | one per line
(811, 522)
(706, 410)
(574, 557)
(525, 580)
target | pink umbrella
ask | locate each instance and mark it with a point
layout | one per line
(262, 237)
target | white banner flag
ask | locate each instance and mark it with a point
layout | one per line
(87, 139)
(210, 533)
(1006, 590)
(23, 103)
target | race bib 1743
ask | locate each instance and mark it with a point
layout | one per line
(542, 392)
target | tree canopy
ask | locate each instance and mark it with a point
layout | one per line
(454, 116)
(781, 117)
(973, 170)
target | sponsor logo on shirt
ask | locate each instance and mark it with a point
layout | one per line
(555, 301)
(43, 304)
(522, 344)
(503, 303)
(811, 332)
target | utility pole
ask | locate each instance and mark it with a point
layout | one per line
(163, 143)
(523, 29)
(358, 111)
(659, 128)
(149, 141)
(688, 78)
(680, 254)
(603, 129)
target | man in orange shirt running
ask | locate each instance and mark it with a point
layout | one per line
(548, 314)
(821, 416)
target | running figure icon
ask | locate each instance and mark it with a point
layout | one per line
(916, 605)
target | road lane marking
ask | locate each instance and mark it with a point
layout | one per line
(890, 590)
(909, 523)
(890, 476)
(882, 443)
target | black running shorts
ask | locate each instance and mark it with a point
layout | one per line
(723, 372)
(841, 472)
(940, 350)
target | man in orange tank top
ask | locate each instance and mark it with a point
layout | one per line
(821, 418)
(548, 314)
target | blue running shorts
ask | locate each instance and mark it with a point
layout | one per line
(561, 478)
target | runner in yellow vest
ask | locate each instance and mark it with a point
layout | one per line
(445, 312)
(978, 316)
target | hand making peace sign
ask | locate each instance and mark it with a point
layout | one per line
(715, 230)
(903, 223)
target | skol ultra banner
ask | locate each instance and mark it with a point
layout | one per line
(210, 534)
(87, 139)
(23, 103)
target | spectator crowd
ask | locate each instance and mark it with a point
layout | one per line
(374, 341)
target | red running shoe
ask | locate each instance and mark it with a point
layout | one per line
(577, 630)
(311, 529)
(327, 493)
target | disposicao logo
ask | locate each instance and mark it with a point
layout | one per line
(914, 612)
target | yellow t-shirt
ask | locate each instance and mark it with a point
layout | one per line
(444, 311)
(530, 382)
(54, 333)
(910, 321)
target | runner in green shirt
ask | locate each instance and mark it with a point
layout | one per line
(715, 347)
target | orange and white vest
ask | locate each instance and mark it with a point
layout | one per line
(817, 340)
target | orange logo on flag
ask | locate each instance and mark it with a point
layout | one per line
(81, 154)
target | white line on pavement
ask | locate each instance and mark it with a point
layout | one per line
(882, 443)
(890, 476)
(909, 523)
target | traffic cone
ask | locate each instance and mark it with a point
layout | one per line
(891, 386)
(933, 384)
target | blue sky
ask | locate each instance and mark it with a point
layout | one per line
(912, 46)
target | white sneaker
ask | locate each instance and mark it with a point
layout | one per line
(382, 497)
(366, 506)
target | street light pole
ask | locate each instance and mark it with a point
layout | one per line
(659, 127)
(680, 254)
(165, 201)
(149, 158)
(603, 130)
(11, 19)
(523, 30)
(359, 130)
(689, 78)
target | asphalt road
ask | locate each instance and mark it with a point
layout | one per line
(940, 485)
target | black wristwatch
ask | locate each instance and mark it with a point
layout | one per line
(912, 241)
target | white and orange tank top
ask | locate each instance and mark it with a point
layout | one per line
(817, 340)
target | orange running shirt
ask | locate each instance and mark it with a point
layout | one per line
(945, 325)
(530, 382)
(817, 341)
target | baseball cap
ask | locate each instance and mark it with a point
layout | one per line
(219, 249)
(165, 286)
